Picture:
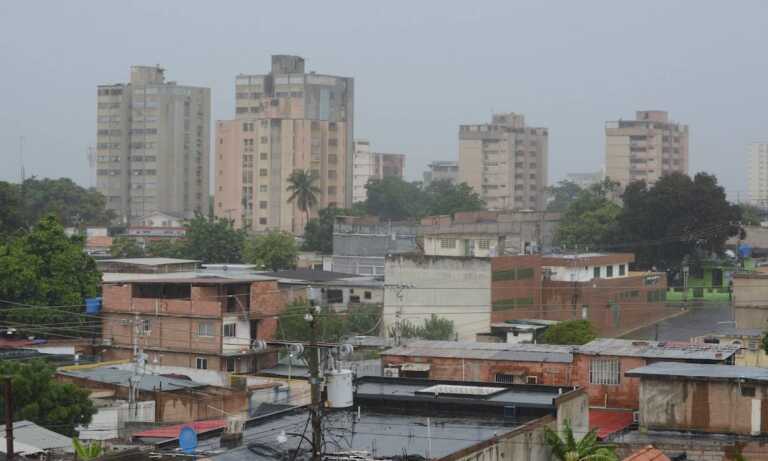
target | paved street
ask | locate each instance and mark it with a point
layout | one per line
(696, 322)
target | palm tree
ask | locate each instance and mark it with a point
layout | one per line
(566, 448)
(301, 185)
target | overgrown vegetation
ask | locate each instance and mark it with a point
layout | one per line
(434, 328)
(332, 326)
(569, 332)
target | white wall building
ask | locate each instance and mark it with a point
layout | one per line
(457, 289)
(757, 174)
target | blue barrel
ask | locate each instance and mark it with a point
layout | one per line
(92, 305)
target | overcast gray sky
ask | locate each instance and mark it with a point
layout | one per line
(421, 68)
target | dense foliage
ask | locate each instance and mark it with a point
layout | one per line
(275, 250)
(39, 398)
(434, 328)
(23, 205)
(303, 189)
(562, 194)
(44, 267)
(569, 332)
(331, 326)
(126, 247)
(394, 198)
(678, 217)
(213, 240)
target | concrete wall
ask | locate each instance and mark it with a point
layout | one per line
(458, 289)
(375, 239)
(750, 300)
(704, 406)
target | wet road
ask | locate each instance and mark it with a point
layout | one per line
(696, 322)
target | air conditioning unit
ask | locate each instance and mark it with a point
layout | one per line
(391, 372)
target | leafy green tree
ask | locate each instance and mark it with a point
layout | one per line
(393, 198)
(563, 194)
(71, 204)
(591, 220)
(565, 447)
(679, 216)
(362, 320)
(44, 267)
(213, 240)
(303, 190)
(434, 328)
(125, 247)
(751, 215)
(318, 233)
(293, 327)
(39, 398)
(275, 250)
(445, 197)
(167, 248)
(569, 332)
(12, 219)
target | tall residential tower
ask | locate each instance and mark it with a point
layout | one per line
(757, 174)
(369, 165)
(286, 120)
(153, 146)
(505, 161)
(646, 148)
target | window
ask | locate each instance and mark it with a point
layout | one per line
(531, 380)
(622, 269)
(205, 329)
(231, 364)
(263, 205)
(262, 188)
(504, 378)
(145, 326)
(596, 272)
(262, 221)
(230, 330)
(483, 244)
(202, 363)
(747, 391)
(263, 172)
(263, 156)
(264, 139)
(447, 243)
(367, 295)
(609, 271)
(604, 371)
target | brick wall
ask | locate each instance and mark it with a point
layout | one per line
(266, 299)
(623, 395)
(516, 287)
(486, 370)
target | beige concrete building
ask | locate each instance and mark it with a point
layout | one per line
(152, 151)
(369, 165)
(505, 161)
(441, 170)
(285, 120)
(757, 174)
(646, 148)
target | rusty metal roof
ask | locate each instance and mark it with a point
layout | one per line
(674, 350)
(701, 372)
(485, 351)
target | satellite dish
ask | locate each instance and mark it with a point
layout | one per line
(187, 439)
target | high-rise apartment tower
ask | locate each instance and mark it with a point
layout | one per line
(646, 148)
(286, 120)
(757, 174)
(152, 151)
(505, 161)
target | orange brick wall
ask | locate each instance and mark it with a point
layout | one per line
(486, 370)
(516, 289)
(625, 395)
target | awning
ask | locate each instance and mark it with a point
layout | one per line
(414, 367)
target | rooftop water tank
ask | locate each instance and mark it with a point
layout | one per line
(339, 385)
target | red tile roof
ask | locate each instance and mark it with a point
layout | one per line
(607, 421)
(648, 453)
(172, 432)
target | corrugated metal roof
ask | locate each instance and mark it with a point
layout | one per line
(701, 371)
(32, 435)
(485, 351)
(150, 261)
(118, 377)
(658, 349)
(172, 432)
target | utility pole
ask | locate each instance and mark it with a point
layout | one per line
(8, 394)
(314, 382)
